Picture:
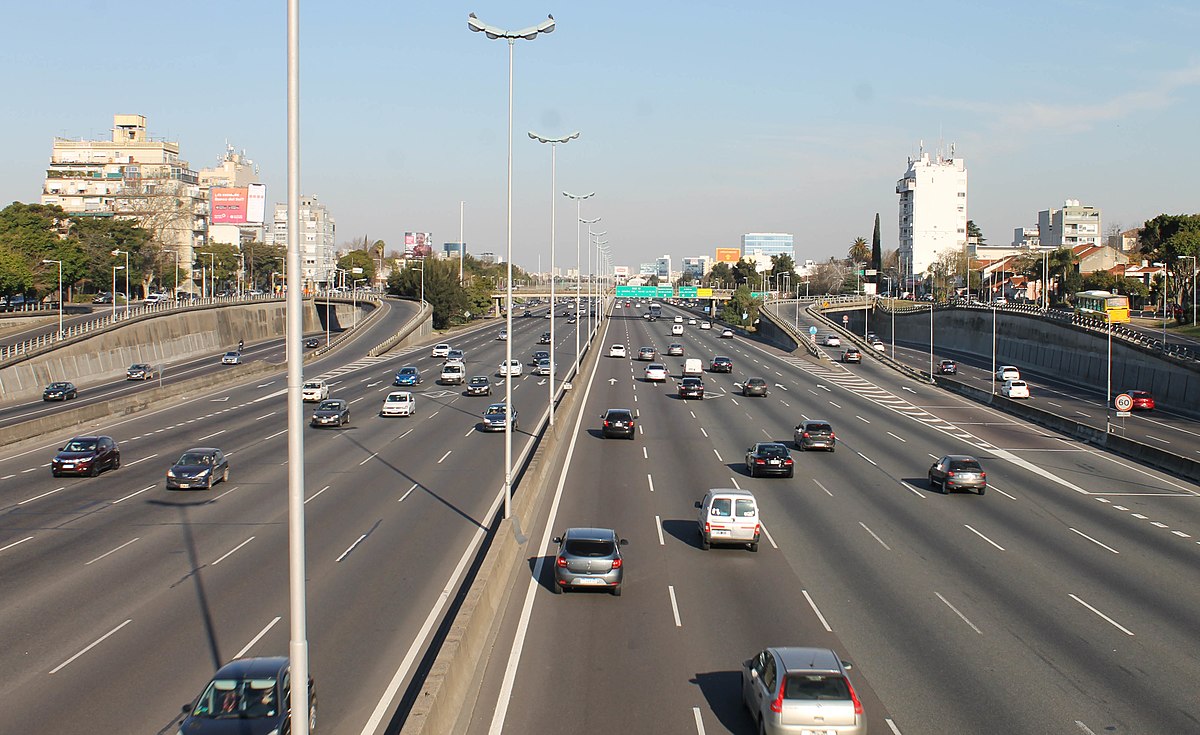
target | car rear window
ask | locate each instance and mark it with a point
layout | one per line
(965, 466)
(818, 428)
(813, 687)
(722, 507)
(589, 548)
(772, 450)
(745, 508)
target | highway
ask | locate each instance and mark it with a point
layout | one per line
(1062, 601)
(121, 599)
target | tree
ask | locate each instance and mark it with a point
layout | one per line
(783, 263)
(362, 259)
(942, 273)
(16, 277)
(876, 254)
(973, 231)
(1167, 237)
(687, 278)
(262, 262)
(720, 273)
(829, 277)
(741, 302)
(100, 236)
(859, 252)
(442, 290)
(743, 272)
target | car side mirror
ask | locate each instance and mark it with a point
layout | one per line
(847, 665)
(624, 542)
(557, 539)
(187, 708)
(61, 448)
(698, 504)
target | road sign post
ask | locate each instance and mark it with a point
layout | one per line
(1123, 402)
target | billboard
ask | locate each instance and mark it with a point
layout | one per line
(228, 206)
(418, 244)
(256, 203)
(729, 255)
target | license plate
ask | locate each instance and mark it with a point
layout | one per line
(183, 484)
(588, 580)
(818, 732)
(773, 462)
(716, 532)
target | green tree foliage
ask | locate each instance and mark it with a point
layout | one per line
(1107, 281)
(859, 252)
(261, 261)
(974, 231)
(442, 290)
(362, 259)
(687, 278)
(720, 273)
(783, 263)
(1167, 237)
(741, 303)
(743, 272)
(98, 237)
(15, 274)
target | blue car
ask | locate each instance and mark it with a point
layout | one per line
(408, 375)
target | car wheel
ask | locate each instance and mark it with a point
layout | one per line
(225, 475)
(750, 469)
(116, 463)
(55, 473)
(210, 483)
(616, 591)
(791, 473)
(95, 470)
(983, 489)
(705, 544)
(754, 547)
(556, 588)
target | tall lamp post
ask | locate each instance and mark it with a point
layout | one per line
(578, 270)
(1193, 259)
(48, 261)
(554, 142)
(601, 249)
(492, 32)
(114, 291)
(592, 277)
(421, 268)
(126, 254)
(241, 273)
(212, 267)
(462, 246)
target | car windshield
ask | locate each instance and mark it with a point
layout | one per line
(58, 386)
(314, 386)
(237, 698)
(397, 398)
(408, 371)
(589, 547)
(194, 458)
(772, 450)
(75, 445)
(329, 406)
(138, 367)
(495, 411)
(815, 686)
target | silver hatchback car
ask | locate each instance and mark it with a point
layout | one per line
(589, 557)
(801, 690)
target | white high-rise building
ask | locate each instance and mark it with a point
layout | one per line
(1074, 224)
(933, 213)
(318, 251)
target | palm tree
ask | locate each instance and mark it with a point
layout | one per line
(859, 251)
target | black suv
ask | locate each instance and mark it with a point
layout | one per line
(617, 422)
(947, 367)
(721, 364)
(691, 388)
(544, 339)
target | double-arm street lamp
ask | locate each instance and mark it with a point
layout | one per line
(48, 261)
(578, 266)
(592, 277)
(492, 32)
(554, 142)
(126, 254)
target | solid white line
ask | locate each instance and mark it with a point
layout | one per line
(1094, 541)
(866, 458)
(223, 557)
(356, 543)
(769, 538)
(314, 496)
(37, 497)
(407, 492)
(898, 437)
(915, 491)
(143, 459)
(650, 480)
(699, 722)
(658, 527)
(98, 558)
(16, 543)
(472, 431)
(1085, 728)
(256, 638)
(210, 436)
(368, 459)
(985, 538)
(820, 617)
(447, 454)
(674, 606)
(131, 495)
(92, 645)
(860, 418)
(264, 416)
(874, 536)
(823, 487)
(1115, 624)
(959, 614)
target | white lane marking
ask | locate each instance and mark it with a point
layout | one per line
(735, 402)
(915, 491)
(265, 415)
(356, 400)
(897, 437)
(255, 639)
(764, 431)
(892, 725)
(820, 617)
(408, 492)
(735, 483)
(650, 481)
(16, 543)
(959, 614)
(314, 496)
(271, 395)
(228, 553)
(866, 458)
(823, 487)
(658, 527)
(1181, 534)
(210, 436)
(368, 459)
(31, 469)
(860, 418)
(699, 722)
(1157, 524)
(143, 459)
(993, 487)
(265, 438)
(213, 500)
(1155, 438)
(693, 413)
(674, 606)
(90, 646)
(264, 385)
(985, 538)
(472, 431)
(133, 494)
(881, 543)
(38, 497)
(1084, 728)
(769, 538)
(718, 455)
(647, 456)
(447, 454)
(785, 403)
(7, 477)
(1094, 541)
(641, 430)
(347, 551)
(1138, 516)
(831, 403)
(1114, 623)
(98, 558)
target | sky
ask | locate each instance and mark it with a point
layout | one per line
(698, 121)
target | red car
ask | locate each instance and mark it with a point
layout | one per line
(1143, 400)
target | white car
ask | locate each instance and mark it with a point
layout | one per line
(543, 368)
(676, 329)
(706, 325)
(231, 358)
(879, 346)
(1008, 372)
(440, 350)
(453, 373)
(727, 334)
(398, 403)
(678, 319)
(656, 372)
(831, 340)
(503, 335)
(1015, 389)
(314, 390)
(691, 322)
(513, 368)
(617, 351)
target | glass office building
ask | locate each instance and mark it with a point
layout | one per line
(765, 244)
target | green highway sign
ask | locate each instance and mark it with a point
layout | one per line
(636, 292)
(758, 294)
(665, 292)
(687, 292)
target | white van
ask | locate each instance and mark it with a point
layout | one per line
(728, 517)
(676, 329)
(692, 367)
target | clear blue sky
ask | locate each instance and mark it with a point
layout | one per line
(700, 121)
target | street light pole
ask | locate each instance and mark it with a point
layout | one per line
(212, 267)
(48, 261)
(126, 254)
(1193, 259)
(462, 246)
(578, 269)
(114, 290)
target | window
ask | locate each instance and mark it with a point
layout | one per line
(722, 507)
(816, 687)
(745, 508)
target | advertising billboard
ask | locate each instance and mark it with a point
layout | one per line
(418, 244)
(228, 206)
(729, 255)
(256, 203)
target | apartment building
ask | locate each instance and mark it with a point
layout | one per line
(933, 213)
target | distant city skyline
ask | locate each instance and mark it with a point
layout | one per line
(699, 123)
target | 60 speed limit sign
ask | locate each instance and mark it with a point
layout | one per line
(1123, 402)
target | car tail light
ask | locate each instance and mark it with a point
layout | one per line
(560, 561)
(804, 435)
(788, 460)
(760, 461)
(707, 527)
(777, 705)
(858, 708)
(616, 564)
(832, 435)
(606, 422)
(950, 473)
(982, 475)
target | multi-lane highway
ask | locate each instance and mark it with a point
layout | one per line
(121, 599)
(1062, 601)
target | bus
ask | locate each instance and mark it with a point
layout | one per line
(1102, 305)
(655, 311)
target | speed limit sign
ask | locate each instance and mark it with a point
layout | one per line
(1123, 402)
(845, 318)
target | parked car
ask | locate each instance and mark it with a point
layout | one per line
(494, 418)
(728, 517)
(801, 690)
(691, 388)
(60, 390)
(656, 372)
(617, 422)
(407, 376)
(958, 471)
(1015, 389)
(332, 412)
(247, 695)
(233, 357)
(769, 458)
(589, 557)
(675, 350)
(720, 364)
(314, 391)
(755, 387)
(851, 354)
(1007, 372)
(398, 403)
(200, 467)
(1143, 400)
(479, 385)
(814, 435)
(948, 367)
(140, 371)
(86, 455)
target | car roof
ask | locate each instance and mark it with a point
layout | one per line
(596, 534)
(200, 450)
(960, 458)
(251, 668)
(770, 444)
(753, 380)
(722, 357)
(731, 491)
(618, 410)
(399, 393)
(88, 438)
(408, 368)
(809, 659)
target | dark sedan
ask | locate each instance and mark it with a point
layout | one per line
(86, 455)
(479, 385)
(691, 388)
(755, 387)
(721, 364)
(331, 412)
(769, 458)
(617, 422)
(248, 696)
(60, 391)
(198, 467)
(948, 367)
(312, 342)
